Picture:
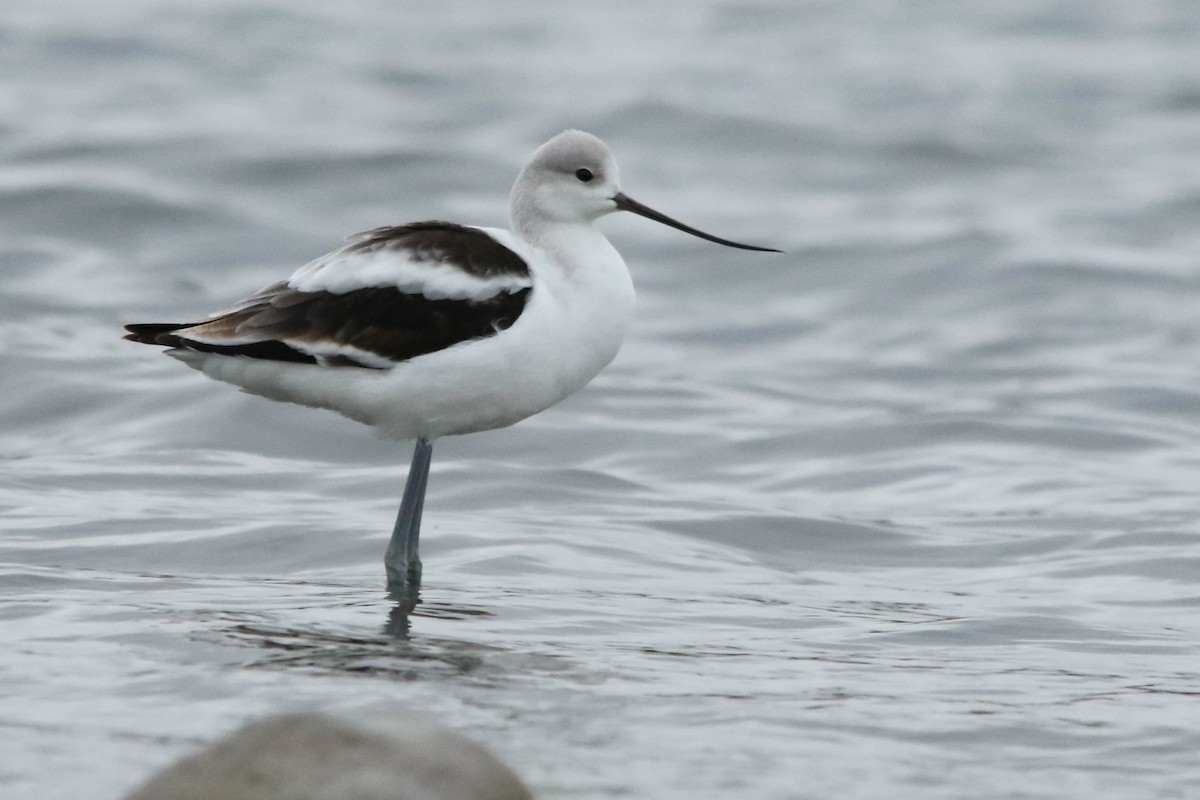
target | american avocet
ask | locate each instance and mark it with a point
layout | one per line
(436, 329)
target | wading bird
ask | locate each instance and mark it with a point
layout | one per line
(436, 329)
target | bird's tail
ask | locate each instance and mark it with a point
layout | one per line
(154, 332)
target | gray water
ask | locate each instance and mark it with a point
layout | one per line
(910, 511)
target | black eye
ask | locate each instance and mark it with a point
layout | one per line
(584, 175)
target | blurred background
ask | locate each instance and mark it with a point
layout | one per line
(910, 510)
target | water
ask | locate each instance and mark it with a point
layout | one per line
(910, 511)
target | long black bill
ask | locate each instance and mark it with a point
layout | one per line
(626, 203)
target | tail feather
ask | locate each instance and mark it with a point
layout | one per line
(155, 332)
(164, 334)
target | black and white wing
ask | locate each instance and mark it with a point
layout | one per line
(390, 295)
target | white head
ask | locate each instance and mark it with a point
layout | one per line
(573, 179)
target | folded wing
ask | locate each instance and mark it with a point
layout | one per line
(390, 295)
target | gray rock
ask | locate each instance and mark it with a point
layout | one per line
(373, 756)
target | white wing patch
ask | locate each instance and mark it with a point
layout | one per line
(329, 354)
(351, 268)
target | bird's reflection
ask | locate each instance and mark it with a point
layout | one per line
(404, 603)
(392, 650)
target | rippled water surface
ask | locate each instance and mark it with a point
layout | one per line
(910, 511)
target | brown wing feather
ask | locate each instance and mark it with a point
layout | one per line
(470, 249)
(385, 323)
(308, 327)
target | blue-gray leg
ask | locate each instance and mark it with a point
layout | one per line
(402, 561)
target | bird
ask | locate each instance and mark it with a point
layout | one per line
(434, 328)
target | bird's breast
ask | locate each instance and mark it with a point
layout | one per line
(586, 309)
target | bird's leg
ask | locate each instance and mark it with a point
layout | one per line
(402, 561)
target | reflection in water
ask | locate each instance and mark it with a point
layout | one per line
(404, 603)
(394, 652)
(410, 605)
(401, 658)
(397, 625)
